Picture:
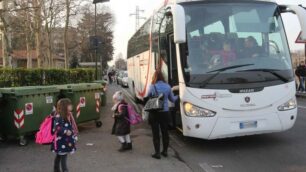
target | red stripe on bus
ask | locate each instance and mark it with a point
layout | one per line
(143, 92)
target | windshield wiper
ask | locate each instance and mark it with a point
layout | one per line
(229, 67)
(271, 71)
(204, 83)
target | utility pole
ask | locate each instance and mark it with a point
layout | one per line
(96, 46)
(138, 17)
(96, 39)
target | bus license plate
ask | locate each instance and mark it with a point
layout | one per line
(249, 124)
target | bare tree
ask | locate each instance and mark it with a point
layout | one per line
(6, 46)
(120, 63)
(71, 9)
(24, 19)
(105, 23)
(52, 28)
(38, 35)
(51, 12)
(66, 52)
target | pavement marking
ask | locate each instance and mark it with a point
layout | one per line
(206, 167)
(302, 107)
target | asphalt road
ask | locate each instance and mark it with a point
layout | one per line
(277, 152)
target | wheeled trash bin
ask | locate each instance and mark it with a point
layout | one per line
(86, 100)
(24, 108)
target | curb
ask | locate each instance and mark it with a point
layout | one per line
(300, 95)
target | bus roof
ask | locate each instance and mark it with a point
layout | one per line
(168, 2)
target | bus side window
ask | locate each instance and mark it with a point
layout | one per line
(163, 43)
(155, 39)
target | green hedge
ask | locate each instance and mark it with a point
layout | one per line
(32, 77)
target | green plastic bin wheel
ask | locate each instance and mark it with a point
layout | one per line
(99, 124)
(23, 141)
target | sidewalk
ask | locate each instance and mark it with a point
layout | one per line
(97, 152)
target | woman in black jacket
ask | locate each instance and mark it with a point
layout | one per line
(121, 127)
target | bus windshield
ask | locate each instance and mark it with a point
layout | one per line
(235, 45)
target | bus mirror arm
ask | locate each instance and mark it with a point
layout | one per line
(301, 14)
(179, 24)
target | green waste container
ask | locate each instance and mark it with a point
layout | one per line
(103, 91)
(86, 100)
(24, 108)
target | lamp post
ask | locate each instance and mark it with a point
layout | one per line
(96, 40)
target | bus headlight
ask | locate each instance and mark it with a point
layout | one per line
(289, 105)
(194, 111)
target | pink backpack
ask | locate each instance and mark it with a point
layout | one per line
(134, 117)
(44, 135)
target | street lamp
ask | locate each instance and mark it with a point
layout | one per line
(96, 46)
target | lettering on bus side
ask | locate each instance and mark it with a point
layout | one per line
(215, 96)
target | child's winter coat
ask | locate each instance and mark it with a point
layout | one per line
(63, 143)
(121, 125)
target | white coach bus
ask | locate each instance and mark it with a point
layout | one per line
(229, 59)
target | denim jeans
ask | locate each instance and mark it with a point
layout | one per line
(60, 160)
(302, 83)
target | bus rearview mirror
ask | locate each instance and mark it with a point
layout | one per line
(301, 13)
(179, 24)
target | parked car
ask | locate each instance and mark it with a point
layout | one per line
(121, 75)
(125, 80)
(117, 77)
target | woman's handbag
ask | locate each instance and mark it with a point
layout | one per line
(145, 115)
(155, 103)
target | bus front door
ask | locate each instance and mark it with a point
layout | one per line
(173, 81)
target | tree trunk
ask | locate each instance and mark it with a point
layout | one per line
(50, 53)
(49, 26)
(29, 56)
(6, 48)
(28, 41)
(38, 23)
(66, 51)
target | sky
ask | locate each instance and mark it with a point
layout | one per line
(125, 24)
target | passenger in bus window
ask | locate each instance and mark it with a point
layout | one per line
(224, 56)
(251, 48)
(228, 54)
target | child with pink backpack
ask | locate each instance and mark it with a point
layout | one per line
(60, 130)
(124, 116)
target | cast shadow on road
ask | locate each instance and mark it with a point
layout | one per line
(228, 144)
